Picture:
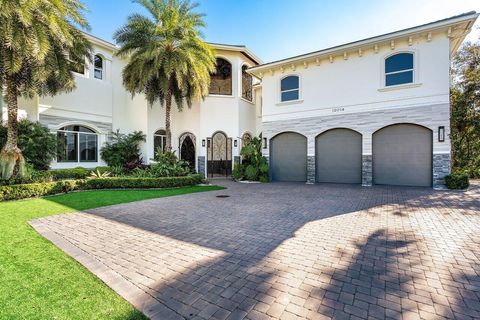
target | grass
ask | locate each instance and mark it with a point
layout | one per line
(38, 281)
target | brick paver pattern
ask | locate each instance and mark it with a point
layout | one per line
(286, 251)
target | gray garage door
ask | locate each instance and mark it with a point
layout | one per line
(288, 153)
(338, 155)
(402, 155)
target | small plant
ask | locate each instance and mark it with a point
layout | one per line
(97, 174)
(168, 165)
(457, 180)
(254, 165)
(124, 150)
(117, 171)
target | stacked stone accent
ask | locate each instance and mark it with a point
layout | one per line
(441, 168)
(201, 165)
(311, 177)
(367, 171)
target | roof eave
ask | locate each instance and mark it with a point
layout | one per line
(468, 18)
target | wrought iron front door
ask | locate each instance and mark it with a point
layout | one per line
(219, 153)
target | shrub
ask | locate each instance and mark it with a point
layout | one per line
(238, 172)
(124, 150)
(22, 191)
(168, 165)
(254, 166)
(38, 145)
(458, 180)
(73, 173)
(143, 183)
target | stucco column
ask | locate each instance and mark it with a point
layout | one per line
(311, 176)
(367, 160)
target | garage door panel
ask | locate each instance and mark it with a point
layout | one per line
(402, 155)
(289, 157)
(338, 155)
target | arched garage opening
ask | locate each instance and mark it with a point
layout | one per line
(288, 157)
(338, 156)
(402, 155)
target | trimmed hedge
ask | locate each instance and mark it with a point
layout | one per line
(457, 180)
(22, 191)
(143, 183)
(74, 173)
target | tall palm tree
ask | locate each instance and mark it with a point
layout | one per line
(39, 45)
(167, 58)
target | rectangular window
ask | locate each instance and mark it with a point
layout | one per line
(399, 78)
(290, 95)
(290, 88)
(67, 147)
(88, 147)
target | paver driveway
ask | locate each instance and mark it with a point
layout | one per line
(286, 251)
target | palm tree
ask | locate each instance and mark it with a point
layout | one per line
(167, 58)
(39, 45)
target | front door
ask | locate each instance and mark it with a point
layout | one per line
(219, 155)
(187, 152)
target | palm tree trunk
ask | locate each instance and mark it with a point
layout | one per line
(168, 132)
(12, 162)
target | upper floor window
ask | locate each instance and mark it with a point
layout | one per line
(77, 144)
(159, 141)
(399, 69)
(221, 80)
(98, 67)
(247, 83)
(290, 88)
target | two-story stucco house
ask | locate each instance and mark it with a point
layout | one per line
(374, 111)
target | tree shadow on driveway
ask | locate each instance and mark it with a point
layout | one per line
(277, 250)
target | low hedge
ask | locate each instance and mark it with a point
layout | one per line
(73, 173)
(457, 180)
(22, 191)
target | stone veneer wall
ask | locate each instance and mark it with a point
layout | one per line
(201, 165)
(367, 123)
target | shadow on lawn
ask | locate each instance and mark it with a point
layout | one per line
(249, 277)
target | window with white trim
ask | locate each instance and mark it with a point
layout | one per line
(159, 141)
(98, 67)
(77, 143)
(290, 88)
(399, 69)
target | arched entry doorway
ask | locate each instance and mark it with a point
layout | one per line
(219, 155)
(187, 149)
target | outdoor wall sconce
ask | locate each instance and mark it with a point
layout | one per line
(235, 143)
(203, 143)
(264, 143)
(441, 134)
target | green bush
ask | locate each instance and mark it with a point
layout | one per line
(254, 166)
(124, 150)
(143, 183)
(22, 191)
(168, 165)
(458, 180)
(73, 173)
(38, 145)
(238, 172)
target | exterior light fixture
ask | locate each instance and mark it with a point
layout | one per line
(203, 143)
(235, 143)
(265, 143)
(441, 134)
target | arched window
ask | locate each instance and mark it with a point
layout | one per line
(399, 69)
(98, 67)
(247, 83)
(290, 88)
(159, 140)
(221, 80)
(77, 143)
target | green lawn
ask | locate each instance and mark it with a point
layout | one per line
(38, 281)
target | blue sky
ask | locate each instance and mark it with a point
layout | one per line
(276, 29)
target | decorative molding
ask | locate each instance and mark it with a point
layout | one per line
(345, 56)
(375, 48)
(293, 67)
(429, 36)
(317, 61)
(410, 41)
(449, 32)
(392, 44)
(272, 72)
(330, 57)
(282, 70)
(360, 52)
(305, 64)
